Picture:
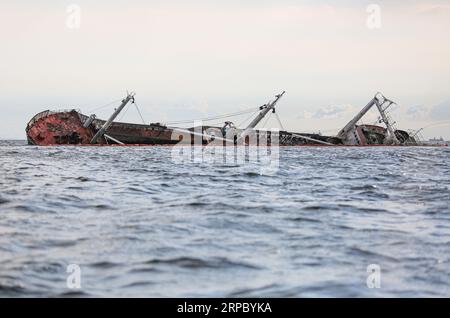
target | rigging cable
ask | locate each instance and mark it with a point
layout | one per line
(124, 113)
(214, 117)
(435, 124)
(104, 106)
(267, 120)
(252, 115)
(279, 121)
(139, 111)
(438, 123)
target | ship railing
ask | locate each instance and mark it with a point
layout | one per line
(46, 113)
(417, 136)
(36, 118)
(66, 110)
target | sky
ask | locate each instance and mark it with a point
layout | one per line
(192, 59)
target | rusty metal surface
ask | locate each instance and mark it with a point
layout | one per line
(67, 128)
(57, 128)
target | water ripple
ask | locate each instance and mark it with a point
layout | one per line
(138, 224)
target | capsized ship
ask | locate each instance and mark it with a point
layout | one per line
(71, 127)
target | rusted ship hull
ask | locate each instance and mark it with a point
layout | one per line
(73, 128)
(69, 128)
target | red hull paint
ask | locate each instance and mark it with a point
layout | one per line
(67, 128)
(58, 128)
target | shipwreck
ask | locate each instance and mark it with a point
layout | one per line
(71, 127)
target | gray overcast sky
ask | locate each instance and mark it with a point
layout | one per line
(188, 59)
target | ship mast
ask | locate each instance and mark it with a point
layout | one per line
(263, 113)
(105, 127)
(382, 104)
(354, 121)
(264, 110)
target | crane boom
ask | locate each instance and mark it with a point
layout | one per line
(116, 113)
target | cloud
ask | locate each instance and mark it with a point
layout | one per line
(417, 112)
(434, 10)
(441, 111)
(173, 53)
(328, 112)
